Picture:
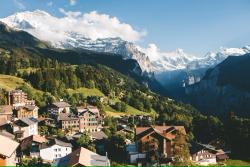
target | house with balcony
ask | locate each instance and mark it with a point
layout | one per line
(68, 121)
(59, 107)
(154, 144)
(90, 119)
(31, 145)
(26, 111)
(206, 154)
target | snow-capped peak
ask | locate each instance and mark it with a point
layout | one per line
(102, 33)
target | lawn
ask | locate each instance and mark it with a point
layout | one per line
(233, 162)
(8, 83)
(86, 91)
(130, 111)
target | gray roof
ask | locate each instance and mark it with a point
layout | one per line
(26, 121)
(67, 117)
(61, 104)
(7, 134)
(62, 143)
(82, 157)
(30, 107)
(98, 135)
(56, 142)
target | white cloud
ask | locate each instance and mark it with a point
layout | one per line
(50, 3)
(70, 13)
(91, 25)
(72, 2)
(19, 4)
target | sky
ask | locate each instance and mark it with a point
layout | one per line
(197, 26)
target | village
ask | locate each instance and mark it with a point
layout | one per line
(87, 137)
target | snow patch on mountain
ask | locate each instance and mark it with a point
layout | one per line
(103, 33)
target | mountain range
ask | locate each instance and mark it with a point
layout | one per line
(224, 88)
(150, 59)
(186, 77)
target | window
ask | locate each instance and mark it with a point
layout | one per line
(59, 149)
(55, 150)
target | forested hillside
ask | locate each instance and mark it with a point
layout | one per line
(54, 72)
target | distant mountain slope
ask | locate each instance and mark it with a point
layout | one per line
(40, 24)
(162, 71)
(225, 88)
(25, 47)
(12, 37)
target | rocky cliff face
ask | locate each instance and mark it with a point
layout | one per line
(221, 90)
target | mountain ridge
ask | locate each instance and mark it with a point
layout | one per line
(224, 88)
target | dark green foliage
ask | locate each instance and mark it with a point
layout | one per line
(235, 71)
(3, 98)
(181, 150)
(115, 146)
(86, 142)
(207, 128)
(120, 106)
(237, 136)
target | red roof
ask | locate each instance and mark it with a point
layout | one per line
(162, 130)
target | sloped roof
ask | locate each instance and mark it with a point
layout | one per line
(196, 147)
(26, 121)
(67, 117)
(7, 134)
(98, 135)
(39, 139)
(56, 142)
(84, 157)
(7, 146)
(163, 131)
(61, 104)
(30, 107)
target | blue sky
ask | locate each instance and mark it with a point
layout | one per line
(197, 26)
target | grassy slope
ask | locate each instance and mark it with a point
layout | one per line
(232, 162)
(86, 91)
(109, 110)
(8, 83)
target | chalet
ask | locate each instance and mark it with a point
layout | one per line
(8, 149)
(155, 143)
(32, 144)
(202, 154)
(90, 119)
(82, 157)
(59, 107)
(55, 149)
(26, 111)
(25, 127)
(68, 121)
(6, 112)
(206, 154)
